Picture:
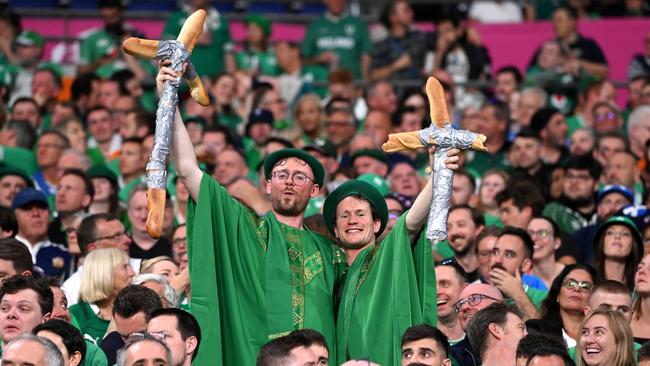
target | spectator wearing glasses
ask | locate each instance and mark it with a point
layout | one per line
(180, 331)
(97, 231)
(618, 248)
(450, 280)
(110, 273)
(132, 310)
(473, 298)
(546, 236)
(563, 308)
(49, 148)
(607, 118)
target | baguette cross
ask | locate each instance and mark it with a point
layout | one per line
(178, 52)
(444, 137)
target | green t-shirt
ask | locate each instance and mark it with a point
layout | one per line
(96, 45)
(480, 161)
(208, 59)
(20, 158)
(535, 296)
(92, 327)
(568, 220)
(315, 74)
(265, 62)
(230, 120)
(94, 355)
(347, 37)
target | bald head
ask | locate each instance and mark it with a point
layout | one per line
(476, 297)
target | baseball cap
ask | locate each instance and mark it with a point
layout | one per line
(29, 38)
(28, 195)
(615, 188)
(322, 146)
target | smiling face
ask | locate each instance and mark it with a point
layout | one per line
(355, 226)
(467, 311)
(287, 198)
(462, 230)
(597, 342)
(541, 231)
(449, 285)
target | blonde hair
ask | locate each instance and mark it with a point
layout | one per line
(97, 282)
(147, 264)
(620, 328)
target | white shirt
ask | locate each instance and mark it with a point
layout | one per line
(489, 11)
(34, 248)
(72, 285)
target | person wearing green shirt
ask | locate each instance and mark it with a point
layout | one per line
(338, 40)
(212, 53)
(255, 278)
(383, 281)
(257, 58)
(511, 258)
(298, 79)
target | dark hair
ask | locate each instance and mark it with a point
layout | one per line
(584, 162)
(14, 284)
(570, 10)
(557, 232)
(110, 4)
(185, 323)
(453, 263)
(17, 253)
(24, 100)
(426, 331)
(501, 109)
(62, 137)
(25, 133)
(87, 230)
(631, 261)
(511, 69)
(334, 105)
(278, 351)
(227, 132)
(487, 232)
(83, 85)
(551, 317)
(523, 194)
(464, 173)
(611, 286)
(477, 216)
(528, 133)
(543, 345)
(134, 299)
(527, 241)
(71, 336)
(476, 331)
(97, 108)
(313, 336)
(8, 221)
(89, 188)
(122, 77)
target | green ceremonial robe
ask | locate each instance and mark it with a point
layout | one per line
(382, 297)
(255, 279)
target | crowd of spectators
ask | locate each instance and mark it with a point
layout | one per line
(548, 229)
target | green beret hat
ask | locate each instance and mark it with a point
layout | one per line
(373, 153)
(10, 170)
(355, 187)
(620, 220)
(376, 181)
(102, 171)
(314, 164)
(260, 21)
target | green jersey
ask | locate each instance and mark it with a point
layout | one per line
(346, 36)
(264, 62)
(92, 326)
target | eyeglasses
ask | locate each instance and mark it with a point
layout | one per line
(133, 337)
(580, 177)
(298, 178)
(394, 214)
(117, 236)
(159, 335)
(609, 116)
(472, 300)
(543, 233)
(179, 241)
(584, 286)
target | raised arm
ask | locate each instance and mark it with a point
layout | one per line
(183, 155)
(419, 212)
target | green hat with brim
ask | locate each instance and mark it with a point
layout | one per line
(314, 164)
(260, 21)
(102, 171)
(620, 220)
(355, 187)
(373, 153)
(29, 38)
(10, 170)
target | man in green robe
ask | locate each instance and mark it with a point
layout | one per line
(389, 286)
(255, 278)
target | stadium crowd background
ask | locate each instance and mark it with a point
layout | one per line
(568, 133)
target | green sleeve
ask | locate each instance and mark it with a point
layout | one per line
(19, 158)
(85, 50)
(364, 38)
(309, 42)
(94, 356)
(380, 300)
